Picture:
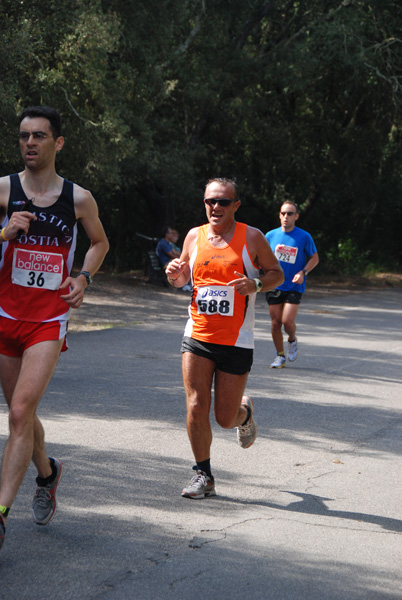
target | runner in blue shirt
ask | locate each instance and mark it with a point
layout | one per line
(297, 255)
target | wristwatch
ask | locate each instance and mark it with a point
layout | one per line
(87, 276)
(258, 284)
(305, 272)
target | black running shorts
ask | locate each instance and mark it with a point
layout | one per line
(229, 359)
(282, 297)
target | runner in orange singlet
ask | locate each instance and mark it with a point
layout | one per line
(223, 259)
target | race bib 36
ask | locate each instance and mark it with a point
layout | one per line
(33, 269)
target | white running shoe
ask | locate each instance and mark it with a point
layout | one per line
(247, 433)
(201, 486)
(278, 363)
(293, 352)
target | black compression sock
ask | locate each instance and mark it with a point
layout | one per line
(205, 466)
(44, 481)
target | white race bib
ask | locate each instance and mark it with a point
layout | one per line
(286, 253)
(34, 269)
(215, 299)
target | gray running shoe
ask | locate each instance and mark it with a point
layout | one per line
(247, 433)
(2, 532)
(44, 502)
(293, 352)
(278, 363)
(201, 486)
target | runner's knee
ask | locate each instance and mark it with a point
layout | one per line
(225, 420)
(196, 407)
(19, 418)
(288, 324)
(276, 324)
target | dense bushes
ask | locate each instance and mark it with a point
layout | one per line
(296, 100)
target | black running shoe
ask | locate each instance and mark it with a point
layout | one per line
(44, 502)
(2, 531)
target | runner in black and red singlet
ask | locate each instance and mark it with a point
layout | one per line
(39, 211)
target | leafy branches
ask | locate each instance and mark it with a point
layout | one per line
(296, 100)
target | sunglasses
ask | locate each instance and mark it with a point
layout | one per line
(220, 201)
(289, 214)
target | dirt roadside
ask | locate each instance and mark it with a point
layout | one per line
(124, 299)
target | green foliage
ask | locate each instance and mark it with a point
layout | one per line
(347, 259)
(296, 100)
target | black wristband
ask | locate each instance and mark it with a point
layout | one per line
(87, 276)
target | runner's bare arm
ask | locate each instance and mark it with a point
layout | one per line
(264, 258)
(87, 212)
(178, 270)
(19, 221)
(310, 264)
(4, 196)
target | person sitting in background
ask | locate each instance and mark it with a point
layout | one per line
(173, 243)
(165, 251)
(175, 237)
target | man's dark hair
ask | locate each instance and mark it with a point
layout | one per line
(165, 230)
(225, 181)
(297, 209)
(46, 112)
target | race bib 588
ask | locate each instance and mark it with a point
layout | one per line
(215, 300)
(35, 269)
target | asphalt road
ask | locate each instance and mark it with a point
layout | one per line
(312, 511)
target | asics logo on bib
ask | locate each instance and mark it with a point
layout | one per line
(220, 293)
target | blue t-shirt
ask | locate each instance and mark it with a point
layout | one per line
(162, 249)
(292, 249)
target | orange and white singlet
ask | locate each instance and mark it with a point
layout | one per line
(217, 313)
